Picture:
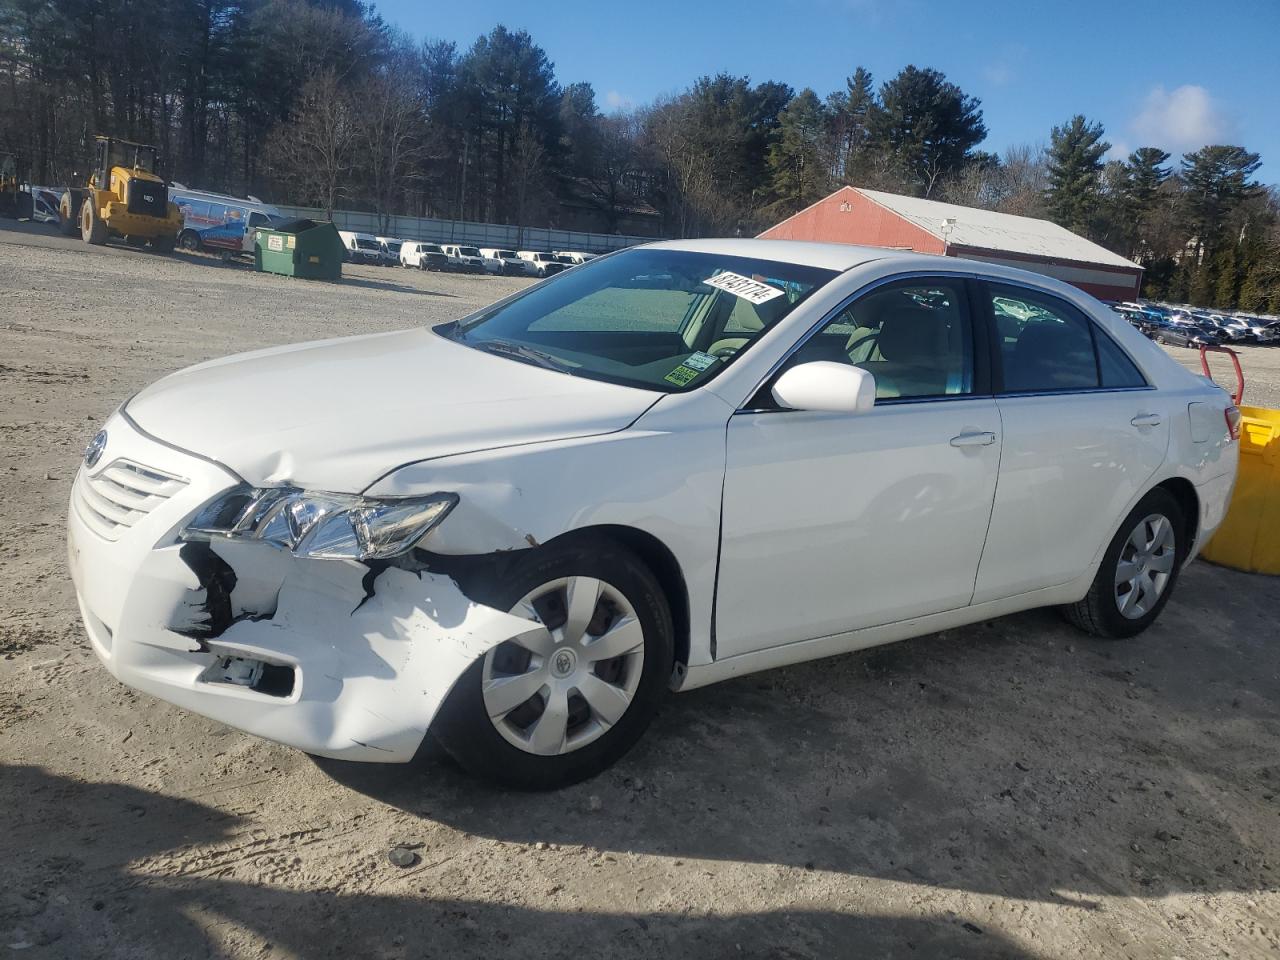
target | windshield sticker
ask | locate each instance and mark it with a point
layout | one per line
(699, 360)
(753, 291)
(681, 375)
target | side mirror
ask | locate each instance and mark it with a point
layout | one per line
(826, 385)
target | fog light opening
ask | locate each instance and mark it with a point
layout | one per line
(271, 679)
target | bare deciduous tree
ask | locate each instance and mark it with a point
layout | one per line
(313, 151)
(391, 135)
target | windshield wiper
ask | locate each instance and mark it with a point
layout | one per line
(523, 353)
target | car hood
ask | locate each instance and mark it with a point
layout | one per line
(338, 414)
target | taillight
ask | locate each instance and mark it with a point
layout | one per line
(1232, 415)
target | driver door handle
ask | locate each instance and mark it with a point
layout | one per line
(980, 439)
(1147, 420)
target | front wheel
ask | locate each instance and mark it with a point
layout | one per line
(1138, 571)
(92, 229)
(567, 698)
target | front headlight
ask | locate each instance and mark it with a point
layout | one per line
(330, 526)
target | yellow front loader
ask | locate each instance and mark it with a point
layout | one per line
(125, 197)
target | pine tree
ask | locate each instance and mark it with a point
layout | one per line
(1217, 181)
(1075, 173)
(798, 174)
(927, 125)
(850, 112)
(1226, 277)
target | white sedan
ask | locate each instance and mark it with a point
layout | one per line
(670, 466)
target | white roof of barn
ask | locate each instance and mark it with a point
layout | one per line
(989, 230)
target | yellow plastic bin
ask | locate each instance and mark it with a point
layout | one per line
(1249, 538)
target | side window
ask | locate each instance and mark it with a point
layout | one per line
(1045, 344)
(914, 337)
(1114, 365)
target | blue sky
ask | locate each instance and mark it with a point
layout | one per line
(1176, 74)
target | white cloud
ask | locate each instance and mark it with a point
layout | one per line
(614, 100)
(1005, 64)
(1185, 118)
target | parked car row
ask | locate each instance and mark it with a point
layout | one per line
(1188, 327)
(460, 258)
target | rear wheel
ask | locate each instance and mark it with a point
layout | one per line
(189, 240)
(1138, 571)
(162, 244)
(68, 215)
(92, 229)
(567, 698)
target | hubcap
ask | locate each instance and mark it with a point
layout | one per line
(570, 677)
(1145, 566)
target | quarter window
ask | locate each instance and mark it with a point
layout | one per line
(914, 337)
(1048, 345)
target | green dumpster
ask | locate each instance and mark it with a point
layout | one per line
(310, 249)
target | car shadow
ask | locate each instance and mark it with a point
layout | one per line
(198, 882)
(1016, 757)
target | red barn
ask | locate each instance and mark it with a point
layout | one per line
(876, 219)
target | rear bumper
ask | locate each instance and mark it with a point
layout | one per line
(368, 668)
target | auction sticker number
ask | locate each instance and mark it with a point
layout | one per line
(753, 291)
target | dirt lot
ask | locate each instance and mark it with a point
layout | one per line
(1010, 790)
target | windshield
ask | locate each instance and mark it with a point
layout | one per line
(367, 244)
(469, 251)
(508, 255)
(659, 319)
(393, 246)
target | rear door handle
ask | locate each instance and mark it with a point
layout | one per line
(1147, 420)
(982, 439)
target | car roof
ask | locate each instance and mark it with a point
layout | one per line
(829, 256)
(845, 256)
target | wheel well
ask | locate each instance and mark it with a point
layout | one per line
(659, 559)
(1185, 493)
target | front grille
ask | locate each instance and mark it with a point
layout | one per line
(148, 198)
(114, 499)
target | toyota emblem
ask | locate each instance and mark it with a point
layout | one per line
(93, 452)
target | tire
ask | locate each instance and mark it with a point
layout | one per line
(488, 748)
(162, 244)
(92, 229)
(189, 240)
(1102, 611)
(68, 216)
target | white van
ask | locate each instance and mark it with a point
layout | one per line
(423, 255)
(544, 264)
(464, 259)
(361, 247)
(218, 222)
(389, 247)
(511, 263)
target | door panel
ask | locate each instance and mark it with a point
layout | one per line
(1071, 465)
(834, 522)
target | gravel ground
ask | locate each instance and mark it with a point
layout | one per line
(1013, 789)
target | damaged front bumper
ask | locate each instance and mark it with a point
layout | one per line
(333, 657)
